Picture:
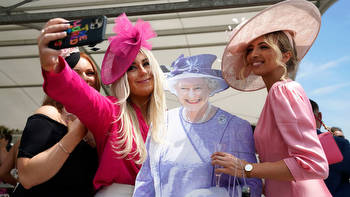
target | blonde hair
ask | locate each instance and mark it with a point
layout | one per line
(280, 44)
(128, 118)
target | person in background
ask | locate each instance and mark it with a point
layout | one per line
(119, 123)
(8, 157)
(8, 165)
(337, 132)
(262, 53)
(180, 164)
(54, 157)
(338, 181)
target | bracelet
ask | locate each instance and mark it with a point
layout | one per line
(63, 148)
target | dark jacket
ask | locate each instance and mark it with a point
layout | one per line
(339, 173)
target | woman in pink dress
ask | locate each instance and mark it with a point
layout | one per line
(119, 123)
(264, 52)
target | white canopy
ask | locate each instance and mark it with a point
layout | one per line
(183, 27)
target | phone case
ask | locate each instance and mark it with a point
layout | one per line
(88, 31)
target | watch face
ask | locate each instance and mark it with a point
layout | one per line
(248, 167)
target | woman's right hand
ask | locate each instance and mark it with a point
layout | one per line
(53, 30)
(76, 127)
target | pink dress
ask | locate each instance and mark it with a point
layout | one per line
(98, 113)
(286, 131)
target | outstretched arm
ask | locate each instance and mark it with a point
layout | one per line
(65, 86)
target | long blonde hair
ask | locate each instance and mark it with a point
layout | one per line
(129, 122)
(280, 44)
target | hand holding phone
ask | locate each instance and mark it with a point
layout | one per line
(88, 31)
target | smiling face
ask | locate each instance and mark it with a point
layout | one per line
(193, 93)
(86, 72)
(261, 57)
(140, 77)
(271, 55)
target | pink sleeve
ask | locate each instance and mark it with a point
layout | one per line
(94, 110)
(296, 123)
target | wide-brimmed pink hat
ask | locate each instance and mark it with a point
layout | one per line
(298, 18)
(124, 47)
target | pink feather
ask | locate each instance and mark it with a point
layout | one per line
(129, 36)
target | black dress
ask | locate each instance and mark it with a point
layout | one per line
(75, 176)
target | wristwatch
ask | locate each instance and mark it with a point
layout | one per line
(247, 169)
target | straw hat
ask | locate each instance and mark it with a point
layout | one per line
(298, 18)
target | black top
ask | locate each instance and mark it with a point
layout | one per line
(75, 176)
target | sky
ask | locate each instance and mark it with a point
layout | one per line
(324, 71)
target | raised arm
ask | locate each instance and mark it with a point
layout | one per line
(65, 86)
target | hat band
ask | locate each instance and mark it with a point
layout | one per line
(290, 39)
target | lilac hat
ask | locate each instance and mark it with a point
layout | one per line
(195, 66)
(298, 19)
(124, 47)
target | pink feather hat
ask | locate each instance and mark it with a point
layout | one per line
(124, 47)
(299, 19)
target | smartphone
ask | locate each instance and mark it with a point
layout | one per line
(87, 31)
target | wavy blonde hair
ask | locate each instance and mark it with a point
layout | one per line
(129, 122)
(280, 44)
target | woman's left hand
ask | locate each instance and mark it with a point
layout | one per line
(230, 164)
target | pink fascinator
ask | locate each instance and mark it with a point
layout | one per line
(124, 47)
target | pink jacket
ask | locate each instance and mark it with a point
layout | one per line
(98, 114)
(286, 131)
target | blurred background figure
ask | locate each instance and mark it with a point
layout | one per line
(339, 173)
(337, 132)
(8, 153)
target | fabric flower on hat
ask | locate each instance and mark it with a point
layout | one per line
(124, 47)
(129, 36)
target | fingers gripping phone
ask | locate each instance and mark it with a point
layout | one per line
(88, 31)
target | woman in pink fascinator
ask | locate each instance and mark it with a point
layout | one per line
(264, 52)
(119, 123)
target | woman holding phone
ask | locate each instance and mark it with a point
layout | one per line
(119, 123)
